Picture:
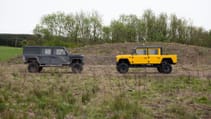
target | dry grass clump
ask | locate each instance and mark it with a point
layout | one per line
(57, 93)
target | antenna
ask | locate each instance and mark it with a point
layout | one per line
(144, 41)
(141, 40)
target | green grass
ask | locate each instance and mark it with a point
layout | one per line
(7, 53)
(59, 95)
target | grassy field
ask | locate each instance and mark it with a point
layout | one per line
(57, 93)
(100, 92)
(7, 53)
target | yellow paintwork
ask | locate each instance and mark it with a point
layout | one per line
(127, 56)
(148, 58)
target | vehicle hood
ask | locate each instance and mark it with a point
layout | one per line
(123, 56)
(76, 56)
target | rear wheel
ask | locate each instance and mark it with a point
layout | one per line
(33, 67)
(77, 68)
(122, 68)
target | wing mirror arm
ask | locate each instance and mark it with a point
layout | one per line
(133, 51)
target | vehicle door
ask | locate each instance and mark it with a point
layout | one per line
(140, 56)
(60, 57)
(45, 57)
(154, 55)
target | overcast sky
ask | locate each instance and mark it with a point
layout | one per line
(21, 16)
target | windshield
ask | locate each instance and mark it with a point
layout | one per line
(67, 51)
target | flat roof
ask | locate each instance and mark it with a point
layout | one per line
(44, 47)
(148, 47)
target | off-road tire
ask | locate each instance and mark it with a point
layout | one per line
(122, 68)
(159, 68)
(166, 68)
(33, 67)
(40, 69)
(77, 68)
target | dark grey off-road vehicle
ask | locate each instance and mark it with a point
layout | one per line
(38, 57)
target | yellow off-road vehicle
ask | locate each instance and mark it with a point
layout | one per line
(144, 56)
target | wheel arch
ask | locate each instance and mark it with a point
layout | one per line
(77, 61)
(168, 60)
(33, 60)
(123, 61)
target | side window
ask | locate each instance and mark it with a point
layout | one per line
(141, 51)
(153, 51)
(46, 51)
(60, 52)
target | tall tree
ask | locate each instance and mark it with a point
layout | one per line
(118, 31)
(149, 21)
(131, 24)
(161, 27)
(96, 26)
(106, 34)
(87, 28)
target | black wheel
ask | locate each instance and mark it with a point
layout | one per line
(122, 68)
(40, 69)
(33, 67)
(77, 68)
(159, 68)
(166, 68)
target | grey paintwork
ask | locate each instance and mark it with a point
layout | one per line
(50, 56)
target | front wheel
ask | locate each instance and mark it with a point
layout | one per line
(40, 69)
(166, 68)
(159, 68)
(122, 68)
(77, 68)
(33, 67)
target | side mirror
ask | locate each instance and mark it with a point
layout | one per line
(133, 51)
(66, 52)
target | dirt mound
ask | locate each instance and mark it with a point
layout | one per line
(105, 53)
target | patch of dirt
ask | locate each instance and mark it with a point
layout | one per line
(105, 53)
(109, 71)
(100, 60)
